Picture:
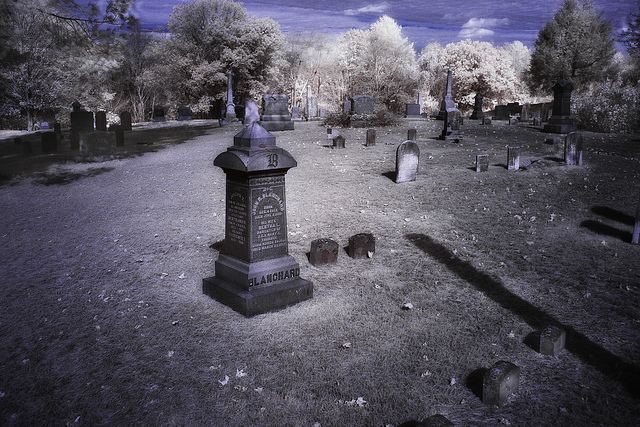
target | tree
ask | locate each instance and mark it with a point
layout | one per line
(576, 44)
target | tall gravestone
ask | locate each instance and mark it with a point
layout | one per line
(346, 106)
(452, 130)
(513, 158)
(514, 108)
(311, 107)
(295, 113)
(275, 113)
(125, 120)
(101, 120)
(561, 120)
(407, 159)
(573, 143)
(230, 107)
(525, 112)
(81, 121)
(371, 137)
(447, 104)
(251, 114)
(254, 271)
(477, 107)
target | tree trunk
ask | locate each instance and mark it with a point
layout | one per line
(29, 120)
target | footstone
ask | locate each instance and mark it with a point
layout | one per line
(371, 137)
(329, 133)
(251, 113)
(125, 120)
(482, 162)
(499, 382)
(323, 252)
(486, 120)
(513, 158)
(573, 149)
(362, 245)
(436, 420)
(635, 238)
(49, 141)
(101, 120)
(412, 134)
(407, 158)
(339, 142)
(254, 272)
(552, 341)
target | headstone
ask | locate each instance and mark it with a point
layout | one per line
(635, 237)
(101, 120)
(346, 106)
(57, 128)
(573, 149)
(295, 112)
(254, 272)
(49, 141)
(486, 120)
(311, 107)
(436, 420)
(525, 112)
(412, 134)
(119, 134)
(561, 120)
(323, 252)
(81, 121)
(251, 113)
(322, 113)
(97, 143)
(513, 120)
(513, 158)
(452, 130)
(537, 121)
(230, 106)
(184, 113)
(482, 162)
(412, 111)
(499, 382)
(371, 137)
(407, 158)
(477, 114)
(361, 245)
(339, 142)
(275, 113)
(329, 133)
(159, 114)
(447, 104)
(552, 341)
(125, 120)
(362, 104)
(502, 112)
(76, 106)
(514, 108)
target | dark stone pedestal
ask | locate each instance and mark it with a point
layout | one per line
(276, 122)
(561, 120)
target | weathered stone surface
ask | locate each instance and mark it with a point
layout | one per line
(452, 130)
(97, 143)
(482, 162)
(573, 144)
(361, 245)
(501, 112)
(477, 113)
(323, 252)
(362, 104)
(251, 113)
(525, 112)
(499, 382)
(552, 341)
(101, 120)
(561, 120)
(486, 120)
(407, 160)
(125, 120)
(275, 113)
(346, 106)
(412, 111)
(339, 142)
(412, 134)
(295, 112)
(371, 137)
(49, 142)
(436, 420)
(513, 158)
(447, 105)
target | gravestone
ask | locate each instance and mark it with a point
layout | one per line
(275, 113)
(81, 121)
(514, 108)
(361, 246)
(254, 272)
(635, 237)
(525, 112)
(362, 104)
(477, 114)
(407, 158)
(436, 420)
(499, 382)
(339, 142)
(552, 341)
(330, 133)
(447, 105)
(371, 137)
(295, 113)
(561, 120)
(452, 130)
(573, 149)
(97, 143)
(251, 114)
(311, 107)
(125, 120)
(482, 162)
(322, 113)
(49, 142)
(230, 110)
(323, 252)
(513, 158)
(537, 121)
(346, 106)
(159, 114)
(513, 120)
(57, 128)
(184, 113)
(486, 120)
(502, 112)
(101, 120)
(412, 134)
(412, 111)
(117, 129)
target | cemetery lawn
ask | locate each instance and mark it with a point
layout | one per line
(104, 321)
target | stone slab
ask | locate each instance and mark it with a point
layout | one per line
(482, 162)
(323, 252)
(552, 341)
(499, 382)
(362, 245)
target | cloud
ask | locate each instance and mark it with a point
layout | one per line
(370, 8)
(480, 27)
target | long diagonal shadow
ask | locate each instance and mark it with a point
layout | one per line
(609, 364)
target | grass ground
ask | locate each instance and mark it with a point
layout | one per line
(103, 318)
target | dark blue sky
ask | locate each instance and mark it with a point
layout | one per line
(423, 21)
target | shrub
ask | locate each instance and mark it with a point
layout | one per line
(608, 107)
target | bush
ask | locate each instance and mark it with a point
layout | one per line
(381, 117)
(608, 107)
(337, 119)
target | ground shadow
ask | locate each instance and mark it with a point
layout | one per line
(555, 159)
(472, 168)
(217, 245)
(606, 230)
(391, 175)
(614, 214)
(532, 340)
(474, 381)
(67, 177)
(577, 343)
(501, 165)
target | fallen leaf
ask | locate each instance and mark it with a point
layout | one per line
(407, 306)
(224, 381)
(240, 373)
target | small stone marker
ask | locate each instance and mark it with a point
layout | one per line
(573, 149)
(362, 245)
(635, 238)
(329, 133)
(412, 134)
(513, 158)
(338, 142)
(486, 120)
(499, 382)
(251, 113)
(482, 162)
(412, 111)
(436, 420)
(552, 341)
(125, 120)
(49, 141)
(323, 252)
(371, 137)
(407, 157)
(101, 120)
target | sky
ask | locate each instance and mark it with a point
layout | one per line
(423, 21)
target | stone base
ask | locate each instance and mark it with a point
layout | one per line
(258, 300)
(277, 126)
(560, 124)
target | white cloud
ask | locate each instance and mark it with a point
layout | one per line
(475, 33)
(370, 8)
(480, 27)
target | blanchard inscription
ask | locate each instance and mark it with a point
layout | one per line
(274, 277)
